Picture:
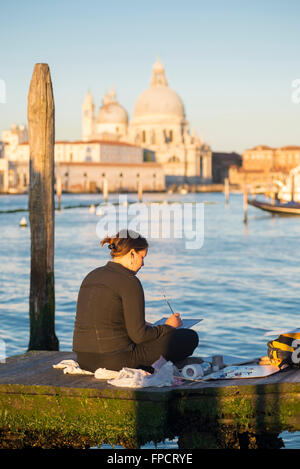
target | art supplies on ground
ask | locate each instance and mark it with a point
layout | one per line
(230, 360)
(192, 371)
(235, 372)
(249, 371)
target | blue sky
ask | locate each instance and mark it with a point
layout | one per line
(231, 62)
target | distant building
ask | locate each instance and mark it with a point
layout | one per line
(1, 149)
(154, 147)
(158, 124)
(262, 164)
(221, 163)
(15, 135)
(82, 166)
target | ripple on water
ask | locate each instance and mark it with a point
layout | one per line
(244, 280)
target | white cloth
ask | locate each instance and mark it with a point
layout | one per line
(71, 367)
(103, 373)
(128, 377)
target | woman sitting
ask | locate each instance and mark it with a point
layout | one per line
(110, 329)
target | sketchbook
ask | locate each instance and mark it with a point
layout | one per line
(186, 323)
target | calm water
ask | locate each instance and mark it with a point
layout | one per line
(244, 280)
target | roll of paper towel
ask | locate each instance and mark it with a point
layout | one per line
(192, 371)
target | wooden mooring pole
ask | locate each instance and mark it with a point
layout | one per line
(245, 205)
(105, 189)
(140, 191)
(41, 210)
(292, 187)
(226, 190)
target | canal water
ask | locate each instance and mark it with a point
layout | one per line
(243, 280)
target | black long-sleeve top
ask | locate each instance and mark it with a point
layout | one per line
(110, 312)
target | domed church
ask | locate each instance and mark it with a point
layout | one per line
(158, 123)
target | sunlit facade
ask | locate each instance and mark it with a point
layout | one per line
(158, 123)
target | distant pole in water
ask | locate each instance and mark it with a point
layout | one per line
(245, 205)
(292, 187)
(41, 210)
(58, 192)
(226, 190)
(105, 189)
(140, 190)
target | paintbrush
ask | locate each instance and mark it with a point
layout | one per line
(168, 303)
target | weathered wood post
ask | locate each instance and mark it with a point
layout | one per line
(41, 210)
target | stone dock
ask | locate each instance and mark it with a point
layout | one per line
(42, 407)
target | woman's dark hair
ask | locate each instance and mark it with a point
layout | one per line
(124, 241)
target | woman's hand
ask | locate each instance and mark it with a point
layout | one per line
(174, 320)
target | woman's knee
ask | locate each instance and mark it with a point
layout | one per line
(189, 335)
(194, 337)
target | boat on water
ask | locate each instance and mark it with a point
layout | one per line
(291, 189)
(286, 196)
(277, 208)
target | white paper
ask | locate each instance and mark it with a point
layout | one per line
(186, 323)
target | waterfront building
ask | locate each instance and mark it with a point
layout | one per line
(82, 166)
(155, 147)
(263, 164)
(1, 149)
(3, 168)
(158, 123)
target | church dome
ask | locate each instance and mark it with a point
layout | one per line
(159, 99)
(111, 112)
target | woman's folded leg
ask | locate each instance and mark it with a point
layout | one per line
(174, 346)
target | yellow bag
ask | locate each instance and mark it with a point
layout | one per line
(285, 350)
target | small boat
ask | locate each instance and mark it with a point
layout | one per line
(23, 222)
(277, 208)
